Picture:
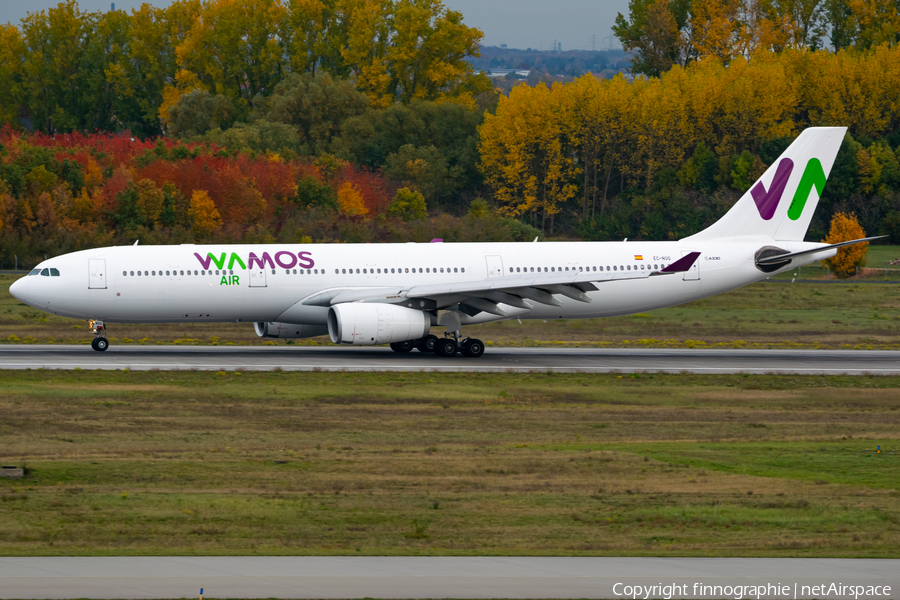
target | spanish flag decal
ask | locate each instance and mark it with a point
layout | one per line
(638, 257)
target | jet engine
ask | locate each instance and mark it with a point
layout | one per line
(368, 324)
(288, 330)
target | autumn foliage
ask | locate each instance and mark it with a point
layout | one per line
(846, 227)
(80, 191)
(590, 146)
(70, 70)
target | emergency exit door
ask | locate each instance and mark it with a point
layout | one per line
(97, 270)
(257, 277)
(494, 266)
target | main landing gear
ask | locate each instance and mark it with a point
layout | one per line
(447, 346)
(99, 343)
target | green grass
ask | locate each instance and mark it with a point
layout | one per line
(439, 464)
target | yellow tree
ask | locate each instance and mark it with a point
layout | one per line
(366, 49)
(314, 33)
(874, 22)
(150, 200)
(846, 227)
(730, 28)
(351, 200)
(235, 49)
(11, 55)
(205, 218)
(527, 153)
(428, 54)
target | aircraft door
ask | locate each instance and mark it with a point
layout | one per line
(494, 266)
(97, 270)
(692, 274)
(257, 277)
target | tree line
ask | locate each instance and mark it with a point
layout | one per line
(665, 33)
(315, 152)
(67, 70)
(662, 157)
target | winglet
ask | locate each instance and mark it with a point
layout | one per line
(682, 264)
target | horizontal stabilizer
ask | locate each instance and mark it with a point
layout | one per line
(768, 260)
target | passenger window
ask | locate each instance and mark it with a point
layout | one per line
(463, 270)
(132, 273)
(124, 273)
(455, 270)
(336, 272)
(614, 268)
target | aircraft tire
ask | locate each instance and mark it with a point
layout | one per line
(402, 347)
(473, 348)
(446, 347)
(100, 344)
(427, 343)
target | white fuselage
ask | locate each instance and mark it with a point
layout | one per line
(181, 284)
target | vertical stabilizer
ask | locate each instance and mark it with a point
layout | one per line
(780, 205)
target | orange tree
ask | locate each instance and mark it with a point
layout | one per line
(846, 227)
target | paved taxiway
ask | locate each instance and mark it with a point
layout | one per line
(422, 577)
(561, 360)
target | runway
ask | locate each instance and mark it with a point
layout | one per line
(432, 577)
(558, 360)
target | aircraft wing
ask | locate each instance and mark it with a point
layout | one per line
(486, 294)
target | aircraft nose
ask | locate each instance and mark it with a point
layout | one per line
(19, 289)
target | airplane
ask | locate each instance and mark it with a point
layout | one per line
(369, 294)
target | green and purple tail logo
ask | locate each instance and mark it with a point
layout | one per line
(767, 201)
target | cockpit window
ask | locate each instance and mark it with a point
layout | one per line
(54, 272)
(45, 273)
(34, 272)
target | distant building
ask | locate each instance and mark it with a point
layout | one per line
(495, 73)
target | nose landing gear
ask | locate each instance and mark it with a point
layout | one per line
(99, 343)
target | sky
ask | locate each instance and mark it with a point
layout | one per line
(576, 24)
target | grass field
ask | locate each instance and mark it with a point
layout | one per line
(769, 314)
(431, 464)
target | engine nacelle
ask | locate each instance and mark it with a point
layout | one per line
(368, 324)
(288, 330)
